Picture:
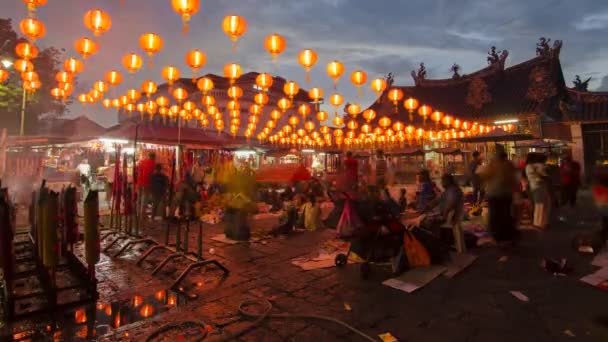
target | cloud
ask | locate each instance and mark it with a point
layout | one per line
(593, 22)
(604, 85)
(476, 36)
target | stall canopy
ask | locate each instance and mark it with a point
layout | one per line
(408, 151)
(60, 131)
(166, 135)
(282, 173)
(539, 143)
(497, 135)
(449, 150)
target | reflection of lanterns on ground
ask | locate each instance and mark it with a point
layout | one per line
(137, 301)
(146, 311)
(172, 299)
(80, 316)
(117, 320)
(160, 295)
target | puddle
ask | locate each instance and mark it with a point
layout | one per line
(88, 322)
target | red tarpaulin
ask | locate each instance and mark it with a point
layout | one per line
(282, 173)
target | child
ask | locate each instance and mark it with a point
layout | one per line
(403, 200)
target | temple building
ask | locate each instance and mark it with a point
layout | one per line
(532, 95)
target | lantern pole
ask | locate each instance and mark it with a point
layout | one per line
(23, 101)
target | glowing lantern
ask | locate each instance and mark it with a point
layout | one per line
(336, 101)
(72, 65)
(264, 81)
(106, 103)
(467, 126)
(234, 26)
(64, 77)
(398, 126)
(275, 114)
(100, 86)
(195, 59)
(255, 109)
(189, 106)
(233, 105)
(366, 128)
(411, 104)
(232, 72)
(275, 45)
(309, 126)
(162, 101)
(235, 92)
(186, 8)
(113, 77)
(170, 74)
(204, 84)
(151, 43)
(304, 110)
(352, 124)
(33, 4)
(456, 124)
(369, 115)
(180, 94)
(353, 109)
(23, 65)
(32, 28)
(212, 110)
(384, 122)
(291, 89)
(32, 86)
(26, 50)
(335, 69)
(293, 120)
(358, 78)
(315, 94)
(124, 100)
(322, 116)
(395, 95)
(378, 85)
(133, 95)
(208, 100)
(307, 58)
(338, 121)
(86, 47)
(132, 62)
(97, 21)
(437, 116)
(149, 88)
(284, 104)
(83, 98)
(261, 99)
(425, 111)
(447, 121)
(57, 93)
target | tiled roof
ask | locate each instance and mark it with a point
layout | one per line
(507, 88)
(586, 106)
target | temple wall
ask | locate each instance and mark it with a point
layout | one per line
(578, 150)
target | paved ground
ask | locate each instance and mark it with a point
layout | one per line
(474, 306)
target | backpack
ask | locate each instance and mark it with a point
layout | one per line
(417, 255)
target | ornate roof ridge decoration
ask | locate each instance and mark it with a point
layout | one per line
(496, 63)
(478, 94)
(544, 49)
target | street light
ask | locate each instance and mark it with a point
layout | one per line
(6, 63)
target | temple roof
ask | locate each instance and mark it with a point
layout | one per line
(585, 106)
(510, 91)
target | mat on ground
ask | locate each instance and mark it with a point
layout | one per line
(415, 278)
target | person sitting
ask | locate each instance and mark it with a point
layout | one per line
(426, 190)
(288, 220)
(312, 214)
(392, 207)
(449, 206)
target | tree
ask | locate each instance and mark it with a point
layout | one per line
(40, 104)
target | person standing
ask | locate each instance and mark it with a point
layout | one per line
(538, 179)
(499, 178)
(351, 168)
(570, 176)
(198, 171)
(381, 168)
(144, 171)
(159, 183)
(474, 178)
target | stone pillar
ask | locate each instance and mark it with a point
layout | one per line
(578, 149)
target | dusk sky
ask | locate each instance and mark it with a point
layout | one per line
(378, 37)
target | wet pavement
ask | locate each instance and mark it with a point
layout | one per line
(476, 305)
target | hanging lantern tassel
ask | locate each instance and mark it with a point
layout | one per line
(359, 92)
(411, 117)
(150, 63)
(185, 19)
(234, 47)
(307, 75)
